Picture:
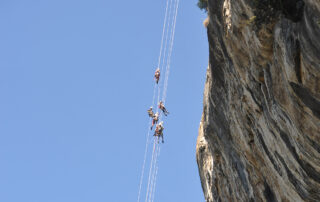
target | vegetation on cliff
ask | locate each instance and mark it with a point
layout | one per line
(203, 4)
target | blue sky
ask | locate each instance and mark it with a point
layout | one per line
(76, 79)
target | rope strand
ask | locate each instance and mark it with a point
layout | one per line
(165, 47)
(164, 95)
(150, 170)
(155, 174)
(154, 184)
(146, 148)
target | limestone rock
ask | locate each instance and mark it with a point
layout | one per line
(259, 137)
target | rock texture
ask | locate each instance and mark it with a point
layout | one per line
(259, 137)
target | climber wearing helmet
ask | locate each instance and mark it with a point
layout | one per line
(164, 110)
(159, 131)
(155, 119)
(150, 112)
(157, 75)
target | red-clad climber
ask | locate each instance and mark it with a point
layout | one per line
(159, 131)
(155, 119)
(164, 110)
(157, 75)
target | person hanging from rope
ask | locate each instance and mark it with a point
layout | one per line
(157, 75)
(155, 119)
(150, 112)
(159, 131)
(164, 110)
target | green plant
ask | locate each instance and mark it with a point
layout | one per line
(251, 20)
(203, 4)
(248, 22)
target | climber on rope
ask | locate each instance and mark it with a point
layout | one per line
(150, 112)
(157, 75)
(162, 107)
(155, 119)
(159, 131)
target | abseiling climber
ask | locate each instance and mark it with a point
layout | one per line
(162, 107)
(157, 75)
(150, 112)
(159, 131)
(155, 120)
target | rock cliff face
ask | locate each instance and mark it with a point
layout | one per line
(259, 137)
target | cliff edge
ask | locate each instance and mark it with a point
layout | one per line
(259, 136)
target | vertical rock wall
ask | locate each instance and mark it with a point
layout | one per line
(259, 137)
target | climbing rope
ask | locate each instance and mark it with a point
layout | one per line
(153, 99)
(151, 169)
(155, 167)
(163, 30)
(153, 185)
(164, 94)
(164, 60)
(165, 48)
(146, 147)
(164, 39)
(152, 174)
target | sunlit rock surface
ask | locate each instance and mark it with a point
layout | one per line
(259, 137)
